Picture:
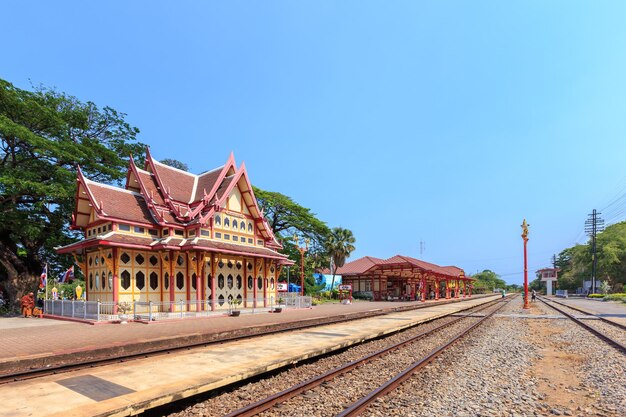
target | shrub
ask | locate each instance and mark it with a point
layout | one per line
(595, 296)
(615, 297)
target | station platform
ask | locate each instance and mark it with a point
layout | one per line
(611, 310)
(37, 343)
(131, 387)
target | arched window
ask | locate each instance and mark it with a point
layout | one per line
(180, 281)
(230, 282)
(242, 226)
(220, 281)
(140, 280)
(239, 282)
(226, 222)
(249, 227)
(125, 279)
(166, 280)
(103, 279)
(234, 224)
(218, 220)
(250, 280)
(193, 281)
(110, 280)
(154, 280)
(90, 281)
(97, 279)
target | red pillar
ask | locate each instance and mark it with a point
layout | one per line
(458, 289)
(437, 283)
(447, 289)
(212, 282)
(254, 286)
(172, 282)
(116, 281)
(423, 289)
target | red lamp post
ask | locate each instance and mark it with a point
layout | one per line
(302, 249)
(525, 238)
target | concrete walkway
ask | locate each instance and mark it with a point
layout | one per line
(129, 388)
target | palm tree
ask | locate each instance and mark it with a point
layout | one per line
(340, 245)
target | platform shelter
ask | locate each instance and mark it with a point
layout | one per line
(175, 240)
(405, 278)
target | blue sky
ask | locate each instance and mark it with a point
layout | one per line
(446, 122)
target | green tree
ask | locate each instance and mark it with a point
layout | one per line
(175, 163)
(340, 244)
(487, 281)
(44, 136)
(288, 218)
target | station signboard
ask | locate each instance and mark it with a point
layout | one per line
(282, 286)
(345, 287)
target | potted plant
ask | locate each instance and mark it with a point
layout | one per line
(122, 310)
(279, 308)
(234, 304)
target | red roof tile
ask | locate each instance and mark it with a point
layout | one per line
(119, 203)
(206, 182)
(152, 188)
(178, 183)
(358, 266)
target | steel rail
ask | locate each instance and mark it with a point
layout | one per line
(617, 345)
(604, 319)
(282, 396)
(362, 404)
(71, 367)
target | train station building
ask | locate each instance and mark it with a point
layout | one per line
(404, 278)
(175, 239)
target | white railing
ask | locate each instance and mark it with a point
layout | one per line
(161, 310)
(561, 293)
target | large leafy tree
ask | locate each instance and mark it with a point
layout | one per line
(576, 262)
(340, 245)
(288, 218)
(44, 136)
(487, 280)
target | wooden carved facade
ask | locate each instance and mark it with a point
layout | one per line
(170, 236)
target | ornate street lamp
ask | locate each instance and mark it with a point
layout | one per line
(525, 237)
(302, 249)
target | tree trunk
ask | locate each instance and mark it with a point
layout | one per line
(20, 278)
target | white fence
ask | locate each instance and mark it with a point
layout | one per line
(152, 311)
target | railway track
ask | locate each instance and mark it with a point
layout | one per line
(609, 331)
(456, 326)
(33, 373)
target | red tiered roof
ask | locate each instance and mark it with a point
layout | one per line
(164, 196)
(368, 264)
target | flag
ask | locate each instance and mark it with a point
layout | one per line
(44, 277)
(68, 275)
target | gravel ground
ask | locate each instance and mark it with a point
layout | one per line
(613, 332)
(514, 367)
(507, 367)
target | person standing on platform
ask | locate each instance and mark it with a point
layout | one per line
(28, 303)
(534, 296)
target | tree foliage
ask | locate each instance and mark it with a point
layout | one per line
(575, 262)
(286, 218)
(175, 163)
(44, 136)
(340, 244)
(487, 281)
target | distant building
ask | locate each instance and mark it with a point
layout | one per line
(404, 278)
(327, 278)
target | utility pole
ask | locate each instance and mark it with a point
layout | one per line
(422, 249)
(593, 225)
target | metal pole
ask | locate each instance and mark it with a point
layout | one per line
(302, 271)
(525, 237)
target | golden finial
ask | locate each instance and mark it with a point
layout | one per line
(525, 230)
